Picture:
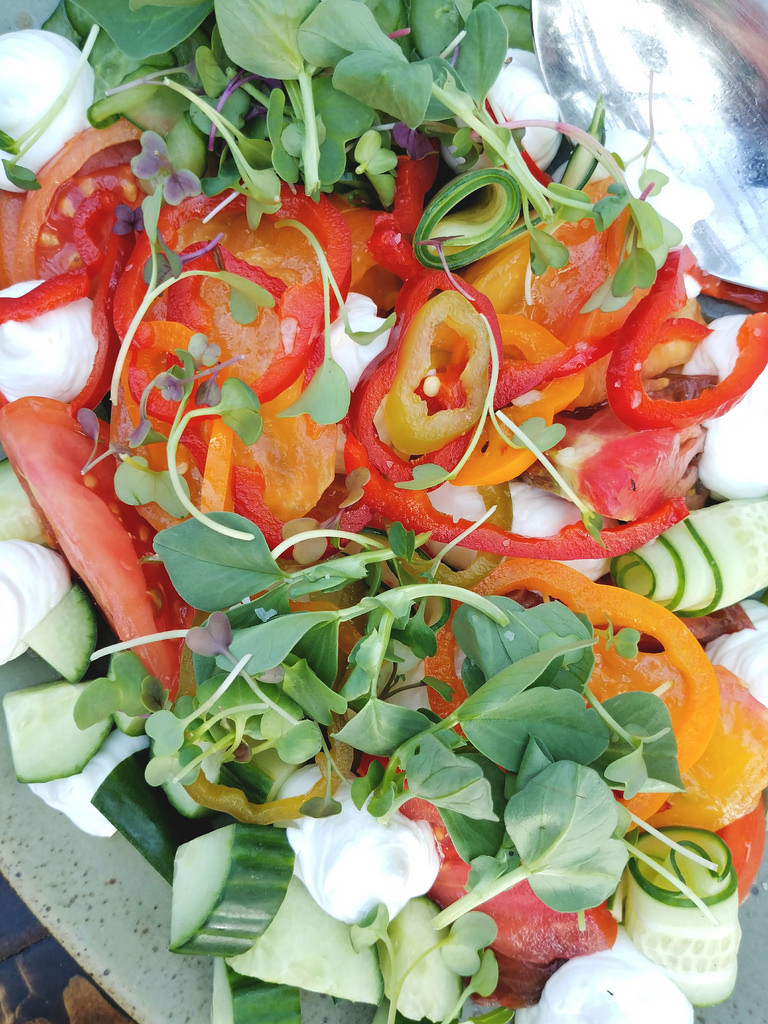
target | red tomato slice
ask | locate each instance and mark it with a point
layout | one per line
(746, 841)
(530, 935)
(102, 539)
(625, 473)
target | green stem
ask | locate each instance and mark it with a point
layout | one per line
(611, 722)
(479, 895)
(311, 147)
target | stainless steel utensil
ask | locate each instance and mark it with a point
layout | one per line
(709, 60)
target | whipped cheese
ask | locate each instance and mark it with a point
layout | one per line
(351, 356)
(745, 653)
(50, 356)
(33, 579)
(518, 94)
(35, 68)
(351, 862)
(616, 986)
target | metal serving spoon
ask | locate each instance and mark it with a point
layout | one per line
(709, 60)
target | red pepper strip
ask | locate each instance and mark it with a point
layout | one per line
(376, 382)
(248, 498)
(51, 294)
(666, 295)
(635, 407)
(716, 288)
(415, 511)
(390, 241)
(92, 219)
(113, 264)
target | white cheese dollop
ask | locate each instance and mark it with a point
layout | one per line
(35, 68)
(351, 862)
(351, 356)
(518, 94)
(50, 356)
(684, 205)
(33, 579)
(72, 796)
(617, 986)
(539, 513)
(745, 653)
(734, 462)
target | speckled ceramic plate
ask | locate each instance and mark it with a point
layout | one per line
(112, 911)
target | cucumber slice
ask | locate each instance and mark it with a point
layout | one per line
(45, 742)
(18, 518)
(308, 948)
(227, 887)
(66, 637)
(698, 954)
(241, 1000)
(721, 558)
(417, 975)
(141, 813)
(582, 164)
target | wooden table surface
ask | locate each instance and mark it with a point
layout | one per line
(40, 983)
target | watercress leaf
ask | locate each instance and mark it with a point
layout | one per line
(239, 409)
(656, 179)
(337, 28)
(636, 270)
(447, 779)
(262, 35)
(546, 251)
(470, 934)
(648, 762)
(425, 475)
(482, 51)
(557, 718)
(648, 223)
(562, 825)
(316, 700)
(137, 484)
(211, 571)
(270, 642)
(166, 732)
(386, 82)
(20, 176)
(150, 30)
(486, 979)
(325, 398)
(300, 743)
(380, 728)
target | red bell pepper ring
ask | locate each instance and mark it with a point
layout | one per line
(667, 295)
(377, 380)
(92, 219)
(415, 511)
(390, 242)
(632, 403)
(48, 295)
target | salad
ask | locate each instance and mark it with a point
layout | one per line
(371, 499)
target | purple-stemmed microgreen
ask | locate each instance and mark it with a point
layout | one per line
(438, 244)
(17, 174)
(90, 426)
(127, 219)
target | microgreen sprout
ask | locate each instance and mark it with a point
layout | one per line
(153, 165)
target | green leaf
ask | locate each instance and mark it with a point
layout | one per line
(386, 82)
(546, 251)
(326, 397)
(539, 434)
(8, 144)
(316, 700)
(446, 779)
(262, 35)
(166, 732)
(211, 571)
(300, 743)
(562, 825)
(482, 51)
(285, 165)
(648, 223)
(606, 210)
(20, 176)
(337, 28)
(120, 690)
(651, 177)
(558, 719)
(270, 642)
(211, 75)
(137, 484)
(468, 936)
(636, 270)
(475, 837)
(246, 297)
(380, 728)
(149, 30)
(239, 409)
(424, 475)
